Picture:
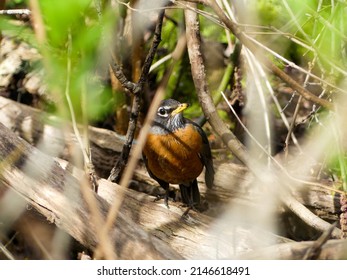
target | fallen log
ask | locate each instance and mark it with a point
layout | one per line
(56, 194)
(232, 181)
(143, 230)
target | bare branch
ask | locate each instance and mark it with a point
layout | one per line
(199, 78)
(20, 12)
(118, 72)
(136, 90)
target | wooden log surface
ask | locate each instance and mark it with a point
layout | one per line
(232, 181)
(56, 194)
(144, 229)
(148, 224)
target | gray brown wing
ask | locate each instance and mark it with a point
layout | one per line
(206, 157)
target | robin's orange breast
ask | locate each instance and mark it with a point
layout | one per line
(174, 157)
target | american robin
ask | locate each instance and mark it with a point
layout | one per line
(176, 152)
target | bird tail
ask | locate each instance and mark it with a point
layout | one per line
(209, 174)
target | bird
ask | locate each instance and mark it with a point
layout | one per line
(176, 151)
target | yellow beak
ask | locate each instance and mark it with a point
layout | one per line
(180, 108)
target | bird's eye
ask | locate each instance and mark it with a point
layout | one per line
(162, 112)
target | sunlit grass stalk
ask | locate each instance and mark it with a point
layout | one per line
(69, 101)
(254, 66)
(6, 252)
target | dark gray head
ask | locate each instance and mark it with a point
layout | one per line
(169, 116)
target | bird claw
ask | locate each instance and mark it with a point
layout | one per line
(166, 198)
(186, 217)
(185, 214)
(197, 207)
(160, 197)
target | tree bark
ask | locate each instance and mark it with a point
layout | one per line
(56, 194)
(45, 132)
(143, 230)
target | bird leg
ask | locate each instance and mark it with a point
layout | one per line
(190, 194)
(167, 195)
(164, 196)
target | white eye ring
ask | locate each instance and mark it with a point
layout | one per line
(162, 112)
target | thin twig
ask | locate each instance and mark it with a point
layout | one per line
(16, 12)
(126, 84)
(37, 240)
(160, 62)
(153, 50)
(88, 164)
(6, 252)
(295, 66)
(296, 111)
(314, 251)
(291, 127)
(69, 101)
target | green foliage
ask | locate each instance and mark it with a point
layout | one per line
(212, 31)
(71, 54)
(180, 85)
(21, 32)
(269, 12)
(338, 167)
(12, 4)
(63, 17)
(71, 51)
(320, 26)
(323, 27)
(171, 30)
